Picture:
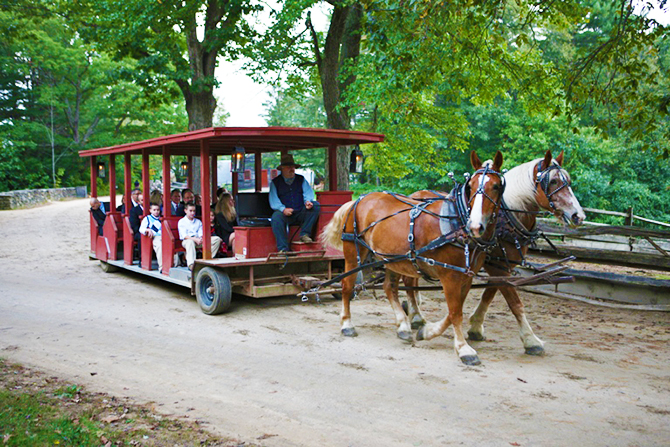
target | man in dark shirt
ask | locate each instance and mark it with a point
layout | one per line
(98, 214)
(187, 196)
(135, 217)
(292, 198)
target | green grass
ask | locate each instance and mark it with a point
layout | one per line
(37, 410)
(34, 419)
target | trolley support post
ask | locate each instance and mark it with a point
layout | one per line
(145, 242)
(94, 193)
(167, 210)
(332, 167)
(206, 200)
(189, 177)
(215, 176)
(235, 188)
(146, 189)
(127, 179)
(258, 171)
(112, 183)
(167, 184)
(94, 176)
(127, 234)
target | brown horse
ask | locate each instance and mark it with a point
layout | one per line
(379, 223)
(539, 184)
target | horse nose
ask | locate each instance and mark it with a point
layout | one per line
(476, 229)
(577, 219)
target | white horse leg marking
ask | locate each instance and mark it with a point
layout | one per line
(466, 352)
(432, 330)
(415, 317)
(477, 319)
(528, 337)
(476, 331)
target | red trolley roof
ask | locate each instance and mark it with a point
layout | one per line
(222, 140)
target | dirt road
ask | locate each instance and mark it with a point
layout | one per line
(277, 372)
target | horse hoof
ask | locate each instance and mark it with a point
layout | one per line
(349, 332)
(420, 333)
(535, 350)
(418, 324)
(405, 336)
(405, 307)
(476, 336)
(471, 360)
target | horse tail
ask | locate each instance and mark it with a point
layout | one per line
(332, 233)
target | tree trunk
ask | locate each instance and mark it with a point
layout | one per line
(199, 92)
(200, 108)
(342, 46)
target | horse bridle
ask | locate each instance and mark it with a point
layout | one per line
(486, 170)
(544, 177)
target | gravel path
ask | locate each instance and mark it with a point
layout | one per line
(276, 372)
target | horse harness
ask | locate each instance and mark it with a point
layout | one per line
(453, 218)
(508, 227)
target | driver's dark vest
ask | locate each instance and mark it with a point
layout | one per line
(290, 195)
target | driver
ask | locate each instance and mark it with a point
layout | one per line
(292, 199)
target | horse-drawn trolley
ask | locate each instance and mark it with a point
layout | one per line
(255, 268)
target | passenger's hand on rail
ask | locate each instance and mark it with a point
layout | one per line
(288, 211)
(309, 205)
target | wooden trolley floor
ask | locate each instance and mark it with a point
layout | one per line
(248, 281)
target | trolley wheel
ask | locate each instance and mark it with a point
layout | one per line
(107, 267)
(213, 291)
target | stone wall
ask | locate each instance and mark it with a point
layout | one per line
(32, 197)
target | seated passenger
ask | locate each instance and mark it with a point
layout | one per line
(151, 226)
(175, 199)
(157, 197)
(190, 233)
(122, 208)
(133, 197)
(135, 216)
(226, 219)
(293, 201)
(98, 213)
(188, 196)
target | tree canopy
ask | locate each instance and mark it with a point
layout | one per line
(589, 77)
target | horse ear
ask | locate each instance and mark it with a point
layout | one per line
(559, 159)
(475, 161)
(547, 160)
(497, 161)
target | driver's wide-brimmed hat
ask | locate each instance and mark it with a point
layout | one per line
(287, 160)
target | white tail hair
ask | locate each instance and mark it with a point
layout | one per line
(332, 233)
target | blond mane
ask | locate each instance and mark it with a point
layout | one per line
(520, 187)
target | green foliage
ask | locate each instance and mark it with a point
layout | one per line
(163, 39)
(64, 95)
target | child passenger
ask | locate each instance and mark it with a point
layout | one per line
(190, 233)
(151, 226)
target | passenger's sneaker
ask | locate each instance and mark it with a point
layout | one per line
(306, 239)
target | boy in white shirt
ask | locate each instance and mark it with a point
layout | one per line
(190, 233)
(151, 226)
